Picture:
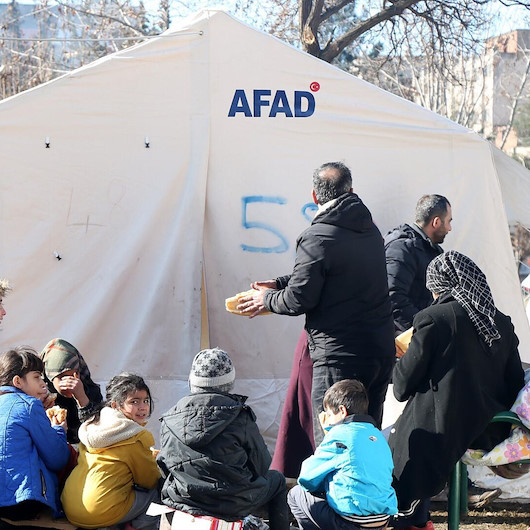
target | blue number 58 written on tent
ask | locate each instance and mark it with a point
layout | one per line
(248, 204)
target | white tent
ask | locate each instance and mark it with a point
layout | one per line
(192, 154)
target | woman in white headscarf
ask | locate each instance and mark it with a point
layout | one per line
(461, 368)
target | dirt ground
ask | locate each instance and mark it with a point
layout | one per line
(501, 516)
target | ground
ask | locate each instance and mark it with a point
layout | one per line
(498, 516)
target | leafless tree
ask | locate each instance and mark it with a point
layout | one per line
(66, 34)
(520, 236)
(511, 83)
(328, 27)
(450, 80)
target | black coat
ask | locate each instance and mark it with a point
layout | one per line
(212, 457)
(339, 282)
(454, 385)
(75, 415)
(408, 253)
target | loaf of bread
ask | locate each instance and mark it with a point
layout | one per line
(403, 341)
(58, 413)
(232, 303)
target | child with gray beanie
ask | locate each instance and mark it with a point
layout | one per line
(213, 458)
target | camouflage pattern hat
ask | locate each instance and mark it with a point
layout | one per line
(59, 356)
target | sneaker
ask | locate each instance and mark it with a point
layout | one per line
(479, 497)
(442, 496)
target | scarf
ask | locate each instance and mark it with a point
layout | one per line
(111, 428)
(457, 274)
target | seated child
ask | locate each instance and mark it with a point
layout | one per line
(116, 476)
(212, 456)
(31, 449)
(347, 483)
(68, 375)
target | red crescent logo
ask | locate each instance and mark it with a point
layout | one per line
(314, 86)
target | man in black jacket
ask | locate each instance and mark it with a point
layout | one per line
(409, 249)
(339, 283)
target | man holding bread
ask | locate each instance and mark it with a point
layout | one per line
(339, 283)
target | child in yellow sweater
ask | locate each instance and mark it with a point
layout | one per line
(116, 476)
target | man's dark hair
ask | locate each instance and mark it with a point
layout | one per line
(348, 392)
(332, 185)
(429, 207)
(18, 361)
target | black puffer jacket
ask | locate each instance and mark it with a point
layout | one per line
(339, 282)
(408, 253)
(213, 458)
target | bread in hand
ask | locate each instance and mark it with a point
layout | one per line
(232, 303)
(58, 413)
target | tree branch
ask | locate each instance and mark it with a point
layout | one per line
(310, 13)
(333, 10)
(517, 98)
(334, 48)
(102, 16)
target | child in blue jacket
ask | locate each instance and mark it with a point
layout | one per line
(31, 448)
(347, 483)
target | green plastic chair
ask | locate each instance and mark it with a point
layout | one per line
(457, 498)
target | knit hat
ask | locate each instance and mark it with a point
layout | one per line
(212, 369)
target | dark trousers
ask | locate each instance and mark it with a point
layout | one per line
(416, 516)
(374, 372)
(314, 513)
(277, 501)
(136, 515)
(23, 511)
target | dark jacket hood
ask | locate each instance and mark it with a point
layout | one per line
(348, 212)
(200, 417)
(404, 231)
(410, 231)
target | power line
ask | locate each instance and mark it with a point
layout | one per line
(69, 39)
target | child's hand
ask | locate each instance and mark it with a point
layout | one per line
(49, 400)
(54, 422)
(323, 419)
(57, 417)
(72, 386)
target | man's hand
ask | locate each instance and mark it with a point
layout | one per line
(267, 284)
(253, 305)
(72, 386)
